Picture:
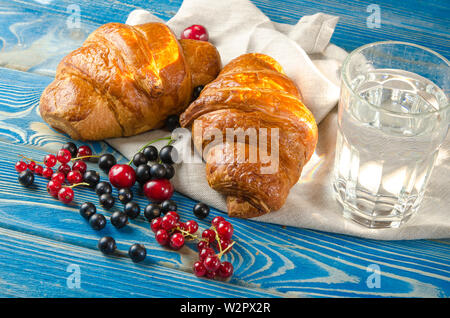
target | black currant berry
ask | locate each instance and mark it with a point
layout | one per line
(107, 200)
(106, 161)
(97, 221)
(119, 219)
(143, 173)
(91, 177)
(168, 205)
(87, 209)
(139, 159)
(71, 147)
(152, 211)
(197, 91)
(125, 195)
(172, 122)
(137, 252)
(103, 188)
(107, 245)
(168, 154)
(170, 171)
(26, 178)
(132, 209)
(157, 171)
(151, 153)
(201, 210)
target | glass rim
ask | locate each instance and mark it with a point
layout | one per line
(345, 79)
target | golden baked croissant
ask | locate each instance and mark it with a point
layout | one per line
(125, 80)
(252, 92)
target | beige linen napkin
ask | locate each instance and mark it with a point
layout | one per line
(304, 51)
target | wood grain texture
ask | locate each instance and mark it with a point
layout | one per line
(269, 260)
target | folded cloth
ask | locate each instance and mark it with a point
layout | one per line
(237, 27)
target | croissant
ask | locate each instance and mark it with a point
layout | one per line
(252, 92)
(125, 80)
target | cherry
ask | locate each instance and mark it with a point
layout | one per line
(195, 32)
(199, 269)
(122, 176)
(204, 253)
(191, 226)
(59, 176)
(47, 172)
(158, 190)
(155, 224)
(79, 165)
(176, 241)
(168, 222)
(50, 160)
(32, 166)
(225, 270)
(21, 166)
(210, 235)
(212, 263)
(63, 156)
(162, 237)
(225, 230)
(215, 222)
(53, 188)
(84, 151)
(65, 195)
(74, 177)
(38, 170)
(64, 168)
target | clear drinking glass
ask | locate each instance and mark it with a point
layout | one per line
(393, 117)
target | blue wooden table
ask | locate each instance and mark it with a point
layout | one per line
(46, 246)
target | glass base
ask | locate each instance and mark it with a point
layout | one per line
(372, 214)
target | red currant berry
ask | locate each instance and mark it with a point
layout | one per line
(199, 269)
(215, 222)
(47, 172)
(59, 176)
(204, 253)
(210, 275)
(174, 214)
(224, 245)
(210, 235)
(191, 226)
(168, 222)
(64, 168)
(212, 263)
(195, 32)
(122, 176)
(158, 190)
(21, 166)
(225, 230)
(176, 241)
(65, 195)
(50, 160)
(201, 245)
(155, 225)
(74, 177)
(225, 270)
(182, 226)
(80, 166)
(53, 188)
(31, 165)
(63, 156)
(38, 170)
(162, 237)
(84, 151)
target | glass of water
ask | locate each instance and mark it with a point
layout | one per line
(393, 117)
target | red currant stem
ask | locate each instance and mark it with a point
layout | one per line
(31, 159)
(82, 157)
(217, 239)
(149, 143)
(186, 233)
(77, 184)
(225, 250)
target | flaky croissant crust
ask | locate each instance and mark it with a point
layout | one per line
(125, 80)
(252, 92)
